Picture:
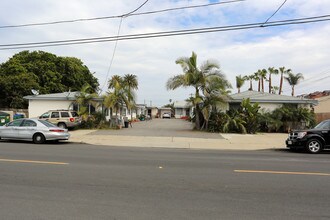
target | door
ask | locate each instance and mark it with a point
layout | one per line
(11, 129)
(27, 129)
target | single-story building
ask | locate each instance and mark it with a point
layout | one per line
(39, 104)
(182, 109)
(269, 101)
(164, 110)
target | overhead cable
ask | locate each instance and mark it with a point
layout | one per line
(274, 12)
(132, 13)
(165, 33)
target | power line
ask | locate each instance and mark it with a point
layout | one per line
(164, 34)
(275, 12)
(115, 48)
(132, 13)
(112, 58)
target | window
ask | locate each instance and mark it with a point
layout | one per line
(74, 114)
(45, 115)
(65, 115)
(55, 115)
(28, 123)
(15, 123)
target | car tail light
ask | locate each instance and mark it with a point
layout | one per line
(71, 119)
(56, 130)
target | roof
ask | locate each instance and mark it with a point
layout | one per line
(71, 96)
(181, 104)
(54, 96)
(263, 97)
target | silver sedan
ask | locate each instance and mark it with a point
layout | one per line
(34, 130)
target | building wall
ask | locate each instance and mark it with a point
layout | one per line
(38, 107)
(181, 112)
(323, 106)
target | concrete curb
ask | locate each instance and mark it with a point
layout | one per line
(230, 141)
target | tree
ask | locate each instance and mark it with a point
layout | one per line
(195, 77)
(262, 74)
(257, 77)
(41, 71)
(239, 83)
(131, 83)
(250, 78)
(283, 72)
(293, 80)
(85, 99)
(271, 71)
(117, 97)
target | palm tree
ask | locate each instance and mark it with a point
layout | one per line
(195, 77)
(239, 83)
(215, 95)
(257, 77)
(262, 75)
(293, 80)
(130, 82)
(85, 99)
(271, 71)
(117, 97)
(250, 78)
(283, 72)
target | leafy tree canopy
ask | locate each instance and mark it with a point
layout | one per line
(41, 71)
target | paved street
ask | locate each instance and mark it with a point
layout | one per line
(78, 181)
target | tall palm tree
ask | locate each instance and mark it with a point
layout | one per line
(250, 78)
(215, 95)
(257, 77)
(130, 82)
(262, 75)
(240, 80)
(271, 71)
(117, 97)
(195, 77)
(293, 80)
(283, 72)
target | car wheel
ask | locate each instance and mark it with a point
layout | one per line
(61, 125)
(38, 138)
(314, 146)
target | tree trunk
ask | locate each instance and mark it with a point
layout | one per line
(292, 93)
(259, 85)
(262, 85)
(270, 83)
(281, 84)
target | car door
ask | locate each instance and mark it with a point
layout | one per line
(27, 129)
(11, 129)
(326, 133)
(54, 117)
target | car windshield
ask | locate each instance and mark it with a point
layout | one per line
(323, 125)
(46, 123)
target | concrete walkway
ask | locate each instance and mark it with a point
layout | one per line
(176, 133)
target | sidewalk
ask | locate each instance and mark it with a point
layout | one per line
(225, 141)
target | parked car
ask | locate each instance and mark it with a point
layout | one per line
(62, 118)
(313, 140)
(34, 130)
(166, 115)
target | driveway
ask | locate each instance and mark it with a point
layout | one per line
(161, 128)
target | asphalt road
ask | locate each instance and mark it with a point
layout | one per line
(76, 181)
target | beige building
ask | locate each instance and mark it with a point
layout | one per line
(322, 110)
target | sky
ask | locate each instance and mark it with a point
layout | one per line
(303, 48)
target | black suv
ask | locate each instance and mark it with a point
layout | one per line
(313, 140)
